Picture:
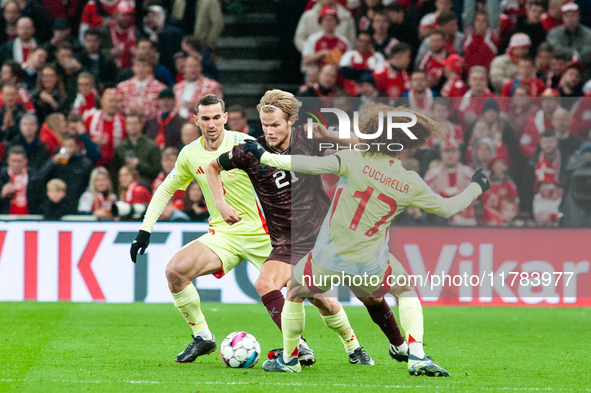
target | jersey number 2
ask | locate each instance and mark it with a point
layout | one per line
(364, 197)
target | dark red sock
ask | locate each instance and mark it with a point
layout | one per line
(383, 316)
(274, 302)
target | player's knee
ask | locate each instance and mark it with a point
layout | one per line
(264, 285)
(175, 275)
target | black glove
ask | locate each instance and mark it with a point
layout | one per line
(255, 148)
(141, 242)
(481, 179)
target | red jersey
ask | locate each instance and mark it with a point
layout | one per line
(337, 46)
(432, 64)
(534, 127)
(23, 98)
(454, 87)
(354, 59)
(480, 49)
(91, 16)
(110, 130)
(391, 82)
(498, 191)
(536, 87)
(137, 193)
(178, 195)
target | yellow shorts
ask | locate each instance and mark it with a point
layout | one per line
(316, 278)
(233, 249)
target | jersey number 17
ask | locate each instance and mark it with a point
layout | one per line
(364, 197)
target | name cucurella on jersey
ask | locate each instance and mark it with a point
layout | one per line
(385, 179)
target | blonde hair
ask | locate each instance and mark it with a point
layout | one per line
(96, 172)
(56, 184)
(282, 100)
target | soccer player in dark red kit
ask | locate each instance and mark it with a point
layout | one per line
(294, 222)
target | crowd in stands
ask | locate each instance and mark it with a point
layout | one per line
(97, 98)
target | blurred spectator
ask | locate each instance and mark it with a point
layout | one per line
(548, 195)
(363, 57)
(10, 112)
(12, 72)
(553, 16)
(503, 136)
(548, 151)
(179, 66)
(481, 42)
(571, 87)
(530, 25)
(94, 60)
(67, 67)
(204, 20)
(193, 87)
(453, 39)
(419, 97)
(367, 91)
(526, 75)
(576, 201)
(326, 88)
(165, 128)
(61, 35)
(146, 47)
(41, 18)
(402, 26)
(558, 63)
(140, 93)
(10, 15)
(99, 198)
(572, 37)
(308, 23)
(169, 156)
(449, 131)
(75, 126)
(393, 80)
(539, 122)
(479, 130)
(365, 13)
(19, 48)
(120, 35)
(325, 47)
(72, 167)
(37, 151)
(33, 66)
(504, 67)
(191, 46)
(172, 213)
(189, 133)
(50, 95)
(453, 68)
(430, 21)
(382, 40)
(52, 131)
(106, 127)
(86, 97)
(54, 207)
(449, 178)
(568, 144)
(130, 189)
(483, 150)
(470, 106)
(505, 216)
(237, 121)
(137, 151)
(502, 187)
(16, 189)
(521, 109)
(167, 36)
(194, 203)
(542, 59)
(432, 61)
(96, 13)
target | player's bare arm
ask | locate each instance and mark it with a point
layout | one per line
(214, 180)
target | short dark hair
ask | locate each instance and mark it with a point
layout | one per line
(9, 84)
(16, 149)
(533, 3)
(16, 70)
(74, 118)
(445, 17)
(193, 42)
(548, 134)
(210, 99)
(394, 7)
(139, 115)
(526, 58)
(560, 56)
(437, 32)
(238, 108)
(141, 59)
(400, 47)
(94, 32)
(154, 44)
(73, 137)
(64, 45)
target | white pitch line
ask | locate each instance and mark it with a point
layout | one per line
(344, 385)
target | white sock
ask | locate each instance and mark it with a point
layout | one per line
(402, 348)
(205, 334)
(350, 351)
(416, 349)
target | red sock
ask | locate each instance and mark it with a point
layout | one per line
(383, 316)
(274, 302)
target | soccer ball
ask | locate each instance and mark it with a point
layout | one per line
(240, 350)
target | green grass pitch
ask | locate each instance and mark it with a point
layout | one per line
(79, 347)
